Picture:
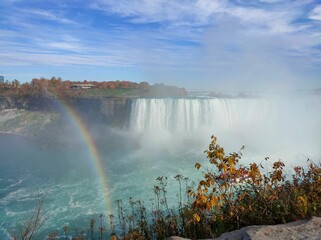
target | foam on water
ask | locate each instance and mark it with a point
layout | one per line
(273, 125)
(170, 135)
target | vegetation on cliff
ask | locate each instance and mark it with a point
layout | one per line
(56, 87)
(230, 196)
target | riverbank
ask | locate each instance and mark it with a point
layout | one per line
(12, 133)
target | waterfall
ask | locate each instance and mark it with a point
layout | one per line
(261, 124)
(192, 113)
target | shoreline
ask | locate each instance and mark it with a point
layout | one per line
(12, 133)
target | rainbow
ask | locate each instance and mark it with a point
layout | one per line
(92, 150)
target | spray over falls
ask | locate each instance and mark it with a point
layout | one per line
(169, 136)
(287, 123)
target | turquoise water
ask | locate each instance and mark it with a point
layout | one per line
(68, 178)
(165, 138)
(27, 171)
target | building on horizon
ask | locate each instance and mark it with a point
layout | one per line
(1, 79)
(82, 85)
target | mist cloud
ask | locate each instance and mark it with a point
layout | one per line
(239, 59)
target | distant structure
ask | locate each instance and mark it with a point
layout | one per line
(1, 79)
(82, 85)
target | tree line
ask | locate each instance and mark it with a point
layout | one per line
(56, 87)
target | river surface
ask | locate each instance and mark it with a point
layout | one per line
(165, 137)
(70, 181)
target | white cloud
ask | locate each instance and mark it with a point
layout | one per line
(48, 15)
(271, 1)
(316, 13)
(9, 2)
(202, 13)
(144, 11)
(64, 46)
(25, 59)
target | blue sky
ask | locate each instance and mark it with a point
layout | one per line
(197, 44)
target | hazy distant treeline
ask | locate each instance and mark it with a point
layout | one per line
(56, 87)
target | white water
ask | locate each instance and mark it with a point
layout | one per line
(277, 125)
(190, 114)
(166, 137)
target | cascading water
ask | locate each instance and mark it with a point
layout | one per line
(190, 114)
(165, 138)
(273, 124)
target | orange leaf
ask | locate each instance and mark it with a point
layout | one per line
(197, 165)
(196, 217)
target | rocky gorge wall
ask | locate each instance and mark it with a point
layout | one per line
(52, 118)
(111, 111)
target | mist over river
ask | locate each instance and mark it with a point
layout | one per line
(161, 137)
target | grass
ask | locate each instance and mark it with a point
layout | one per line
(119, 92)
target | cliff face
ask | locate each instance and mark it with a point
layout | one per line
(27, 123)
(7, 103)
(29, 104)
(113, 112)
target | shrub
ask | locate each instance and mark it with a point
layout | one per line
(232, 195)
